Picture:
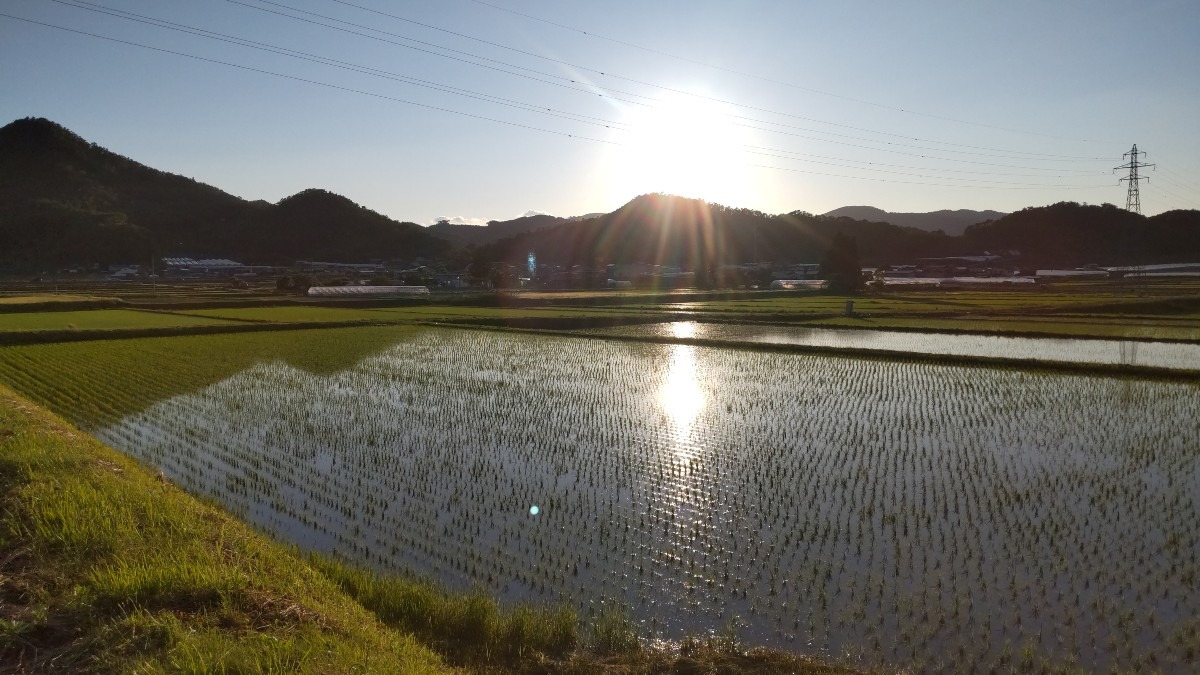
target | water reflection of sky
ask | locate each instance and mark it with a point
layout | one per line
(1173, 355)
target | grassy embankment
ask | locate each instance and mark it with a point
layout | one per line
(106, 568)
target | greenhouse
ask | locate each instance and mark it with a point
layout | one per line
(367, 291)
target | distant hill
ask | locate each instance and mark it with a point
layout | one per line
(950, 222)
(693, 234)
(65, 201)
(1071, 234)
(477, 235)
(316, 224)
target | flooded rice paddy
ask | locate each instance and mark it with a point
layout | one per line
(913, 514)
(1168, 355)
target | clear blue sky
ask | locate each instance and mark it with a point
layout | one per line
(775, 106)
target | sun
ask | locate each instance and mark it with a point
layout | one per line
(686, 146)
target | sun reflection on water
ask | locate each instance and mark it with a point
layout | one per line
(683, 329)
(681, 395)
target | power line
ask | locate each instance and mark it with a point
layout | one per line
(1177, 179)
(916, 175)
(768, 79)
(345, 65)
(1032, 156)
(432, 46)
(900, 145)
(160, 23)
(485, 118)
(905, 182)
(945, 159)
(1182, 201)
(311, 81)
(169, 25)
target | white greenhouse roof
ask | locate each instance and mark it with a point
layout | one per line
(366, 291)
(204, 262)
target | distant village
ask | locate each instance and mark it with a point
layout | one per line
(950, 271)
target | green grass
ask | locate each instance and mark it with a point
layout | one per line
(99, 319)
(472, 626)
(107, 569)
(97, 383)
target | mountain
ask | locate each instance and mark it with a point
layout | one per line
(495, 230)
(65, 201)
(950, 222)
(1071, 234)
(694, 235)
(320, 225)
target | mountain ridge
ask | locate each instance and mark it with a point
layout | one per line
(64, 200)
(950, 221)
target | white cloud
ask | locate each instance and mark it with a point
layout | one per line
(463, 220)
(460, 220)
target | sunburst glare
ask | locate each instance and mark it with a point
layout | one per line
(684, 146)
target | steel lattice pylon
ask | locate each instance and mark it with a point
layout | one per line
(1133, 199)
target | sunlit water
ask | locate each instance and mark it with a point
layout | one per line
(1171, 355)
(948, 517)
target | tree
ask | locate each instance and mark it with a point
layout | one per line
(302, 282)
(841, 266)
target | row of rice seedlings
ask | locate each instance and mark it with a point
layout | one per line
(916, 514)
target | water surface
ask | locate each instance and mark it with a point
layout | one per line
(1171, 355)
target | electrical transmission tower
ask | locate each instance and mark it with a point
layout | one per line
(1133, 200)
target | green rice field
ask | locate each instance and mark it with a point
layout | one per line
(99, 319)
(914, 515)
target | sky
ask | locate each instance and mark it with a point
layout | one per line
(474, 110)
